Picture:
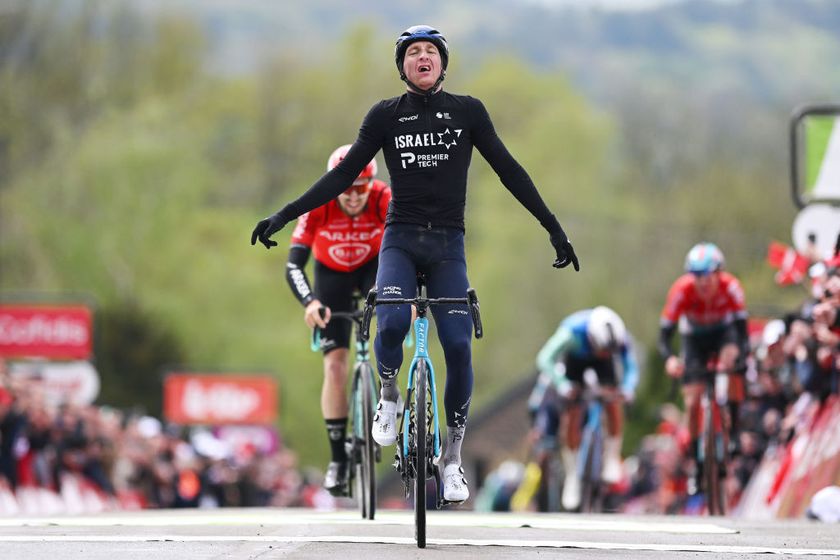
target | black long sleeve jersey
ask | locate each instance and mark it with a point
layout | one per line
(427, 143)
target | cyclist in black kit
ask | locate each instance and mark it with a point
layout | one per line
(426, 136)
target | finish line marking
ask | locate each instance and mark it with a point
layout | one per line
(715, 549)
(435, 519)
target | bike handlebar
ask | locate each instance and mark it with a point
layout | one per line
(355, 316)
(421, 301)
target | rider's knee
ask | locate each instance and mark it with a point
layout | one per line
(573, 396)
(610, 394)
(392, 328)
(457, 349)
(335, 364)
(728, 355)
(691, 395)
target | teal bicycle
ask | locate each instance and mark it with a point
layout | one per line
(362, 452)
(419, 442)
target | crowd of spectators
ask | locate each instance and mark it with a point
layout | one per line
(70, 458)
(793, 368)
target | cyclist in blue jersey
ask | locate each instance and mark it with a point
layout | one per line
(427, 137)
(587, 339)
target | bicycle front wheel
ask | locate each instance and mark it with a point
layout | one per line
(712, 462)
(419, 432)
(366, 467)
(591, 475)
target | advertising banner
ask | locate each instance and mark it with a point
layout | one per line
(61, 382)
(192, 398)
(54, 332)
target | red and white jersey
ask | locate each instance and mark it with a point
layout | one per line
(696, 315)
(340, 242)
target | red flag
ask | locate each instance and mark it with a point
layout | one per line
(792, 266)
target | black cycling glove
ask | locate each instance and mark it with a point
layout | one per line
(565, 251)
(269, 226)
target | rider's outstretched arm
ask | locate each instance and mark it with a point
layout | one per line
(519, 183)
(330, 185)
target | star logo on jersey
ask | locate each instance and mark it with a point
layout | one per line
(447, 138)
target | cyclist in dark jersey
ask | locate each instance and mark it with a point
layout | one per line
(344, 235)
(426, 136)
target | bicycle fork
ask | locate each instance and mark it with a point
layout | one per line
(406, 448)
(715, 399)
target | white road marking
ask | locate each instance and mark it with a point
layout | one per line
(434, 519)
(716, 549)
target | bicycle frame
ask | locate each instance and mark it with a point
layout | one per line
(362, 452)
(414, 415)
(591, 455)
(711, 452)
(421, 331)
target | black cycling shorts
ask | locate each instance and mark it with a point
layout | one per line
(605, 368)
(698, 349)
(547, 420)
(335, 290)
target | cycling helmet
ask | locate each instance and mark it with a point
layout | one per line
(704, 258)
(369, 172)
(421, 33)
(606, 330)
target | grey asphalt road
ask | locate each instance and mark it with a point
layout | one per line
(300, 533)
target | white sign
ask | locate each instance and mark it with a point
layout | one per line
(821, 220)
(61, 382)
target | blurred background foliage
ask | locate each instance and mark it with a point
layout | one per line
(137, 152)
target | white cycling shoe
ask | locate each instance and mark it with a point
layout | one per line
(571, 492)
(571, 483)
(454, 484)
(612, 471)
(384, 429)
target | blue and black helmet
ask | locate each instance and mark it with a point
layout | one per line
(704, 258)
(420, 33)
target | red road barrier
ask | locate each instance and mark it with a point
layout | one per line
(788, 477)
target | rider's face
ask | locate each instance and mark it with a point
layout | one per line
(706, 284)
(353, 200)
(422, 64)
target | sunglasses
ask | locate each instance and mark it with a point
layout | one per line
(359, 187)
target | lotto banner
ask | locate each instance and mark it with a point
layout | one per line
(44, 331)
(190, 398)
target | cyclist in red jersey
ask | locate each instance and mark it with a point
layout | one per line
(707, 305)
(344, 235)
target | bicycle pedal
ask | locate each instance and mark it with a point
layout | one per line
(340, 491)
(446, 502)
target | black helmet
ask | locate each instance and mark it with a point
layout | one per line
(420, 33)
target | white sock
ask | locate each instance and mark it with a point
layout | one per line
(390, 391)
(452, 449)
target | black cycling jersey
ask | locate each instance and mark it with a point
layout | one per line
(427, 143)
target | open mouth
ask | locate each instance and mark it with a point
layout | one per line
(423, 68)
